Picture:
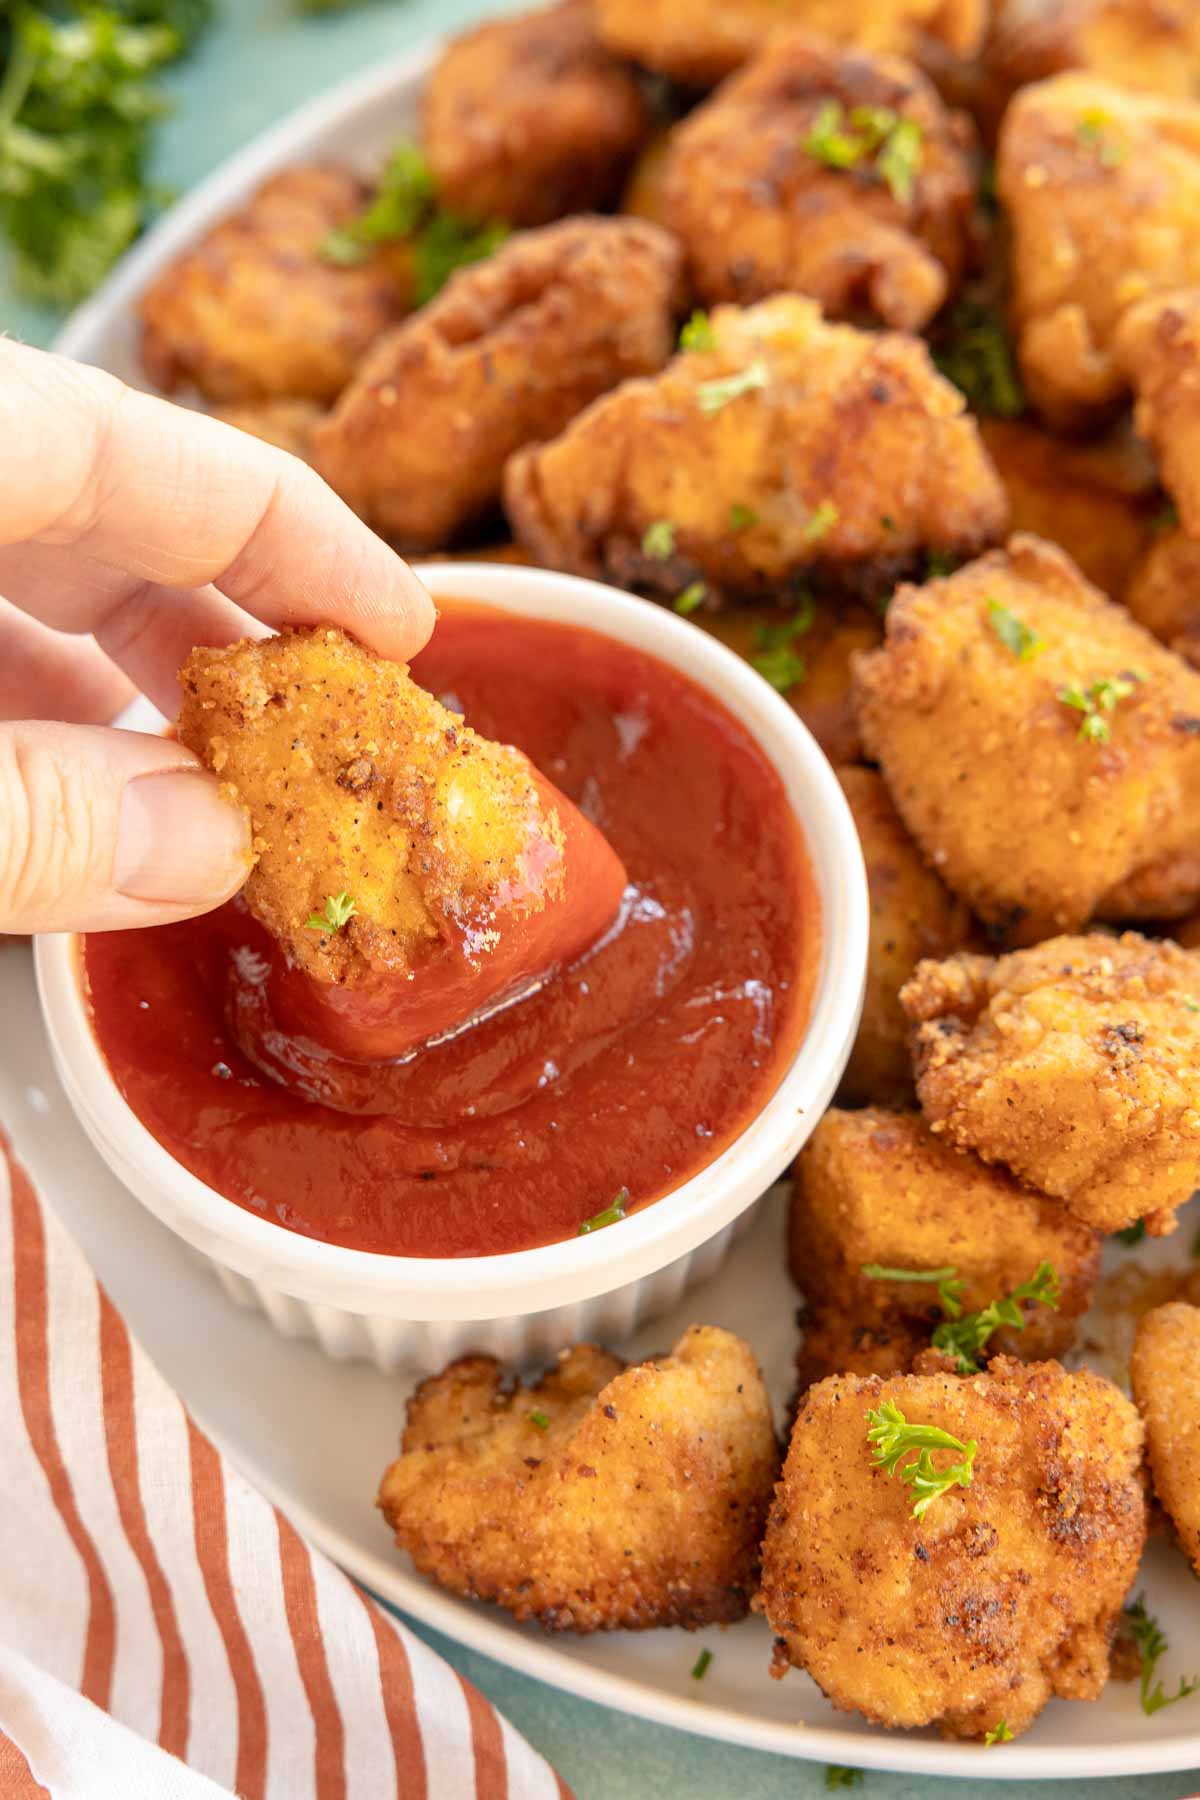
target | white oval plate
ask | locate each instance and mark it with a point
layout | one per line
(315, 1436)
(320, 1460)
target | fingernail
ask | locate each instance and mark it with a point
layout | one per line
(178, 841)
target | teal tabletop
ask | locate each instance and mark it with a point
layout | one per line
(263, 58)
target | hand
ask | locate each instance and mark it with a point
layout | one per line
(143, 529)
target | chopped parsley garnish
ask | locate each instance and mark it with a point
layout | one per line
(892, 1437)
(842, 142)
(742, 518)
(838, 1777)
(1001, 1733)
(819, 522)
(1093, 133)
(1152, 1647)
(964, 1338)
(976, 356)
(1101, 698)
(539, 1418)
(1192, 1005)
(939, 564)
(700, 1666)
(711, 396)
(339, 910)
(949, 1287)
(693, 596)
(1132, 1234)
(776, 657)
(612, 1214)
(697, 333)
(405, 207)
(658, 539)
(1013, 633)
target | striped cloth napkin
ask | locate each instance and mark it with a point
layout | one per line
(165, 1634)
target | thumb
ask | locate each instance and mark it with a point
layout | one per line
(100, 830)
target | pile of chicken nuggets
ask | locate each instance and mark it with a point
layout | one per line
(866, 334)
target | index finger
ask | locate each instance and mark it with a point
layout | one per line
(170, 497)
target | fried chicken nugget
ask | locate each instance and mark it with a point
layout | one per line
(1102, 188)
(912, 916)
(509, 352)
(1151, 44)
(1043, 749)
(1158, 348)
(602, 1497)
(1005, 1593)
(1163, 593)
(763, 190)
(1076, 1064)
(530, 117)
(1164, 1372)
(253, 311)
(700, 41)
(288, 424)
(786, 444)
(879, 1188)
(824, 649)
(357, 781)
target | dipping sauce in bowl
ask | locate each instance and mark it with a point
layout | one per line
(630, 1069)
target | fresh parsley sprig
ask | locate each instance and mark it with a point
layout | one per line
(339, 910)
(949, 1286)
(1001, 1733)
(842, 141)
(658, 539)
(976, 355)
(892, 1438)
(697, 333)
(1013, 633)
(712, 396)
(1096, 701)
(964, 1338)
(613, 1213)
(1152, 1646)
(776, 657)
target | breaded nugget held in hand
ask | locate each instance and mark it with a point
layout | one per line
(508, 353)
(530, 117)
(1151, 44)
(876, 1189)
(821, 171)
(1004, 1593)
(1163, 593)
(775, 444)
(1076, 1064)
(912, 916)
(697, 42)
(1043, 750)
(1102, 190)
(1164, 1372)
(600, 1498)
(255, 312)
(410, 870)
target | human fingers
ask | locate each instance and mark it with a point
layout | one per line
(46, 675)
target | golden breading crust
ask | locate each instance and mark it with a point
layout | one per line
(1077, 1064)
(759, 213)
(253, 312)
(822, 696)
(1102, 187)
(1028, 817)
(1152, 44)
(288, 424)
(528, 118)
(1097, 500)
(790, 444)
(1163, 593)
(1165, 1374)
(877, 1187)
(505, 355)
(700, 41)
(1005, 1593)
(1158, 347)
(357, 781)
(912, 916)
(599, 1498)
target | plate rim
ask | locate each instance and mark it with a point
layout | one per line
(399, 77)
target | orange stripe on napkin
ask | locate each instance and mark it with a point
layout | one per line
(120, 1437)
(16, 1777)
(33, 1387)
(487, 1742)
(212, 1552)
(300, 1604)
(399, 1705)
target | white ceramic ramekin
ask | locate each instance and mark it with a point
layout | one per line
(416, 1312)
